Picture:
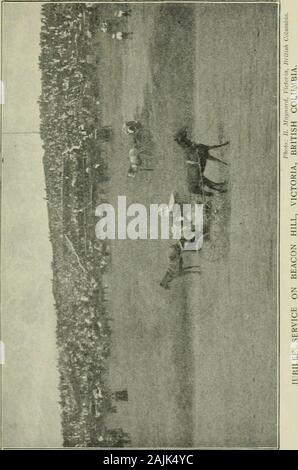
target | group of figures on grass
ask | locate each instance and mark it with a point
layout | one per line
(110, 26)
(196, 157)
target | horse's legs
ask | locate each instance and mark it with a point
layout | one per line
(218, 145)
(199, 189)
(187, 271)
(201, 148)
(180, 266)
(207, 193)
(215, 186)
(191, 267)
(214, 159)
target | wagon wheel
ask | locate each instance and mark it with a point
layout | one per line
(215, 249)
(143, 137)
(146, 161)
(214, 209)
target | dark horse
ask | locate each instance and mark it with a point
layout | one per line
(196, 158)
(175, 264)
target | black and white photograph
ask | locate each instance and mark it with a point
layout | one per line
(140, 215)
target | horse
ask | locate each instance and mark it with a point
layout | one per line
(136, 163)
(196, 158)
(175, 265)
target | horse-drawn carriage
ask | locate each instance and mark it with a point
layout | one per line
(213, 242)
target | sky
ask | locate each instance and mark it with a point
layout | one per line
(30, 376)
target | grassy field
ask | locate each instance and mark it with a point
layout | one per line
(199, 361)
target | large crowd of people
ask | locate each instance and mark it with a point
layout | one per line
(71, 126)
